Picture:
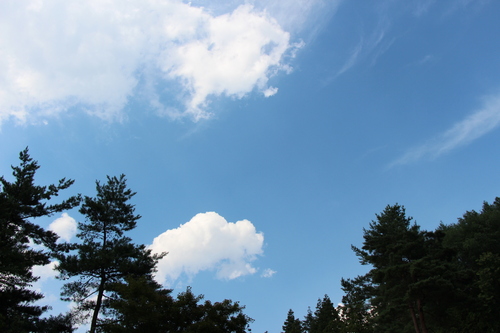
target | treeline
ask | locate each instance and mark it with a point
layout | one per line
(107, 276)
(446, 280)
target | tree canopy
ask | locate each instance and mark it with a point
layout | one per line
(104, 256)
(22, 201)
(420, 281)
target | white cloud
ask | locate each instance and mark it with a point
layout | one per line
(270, 91)
(236, 55)
(267, 273)
(373, 44)
(96, 55)
(65, 227)
(45, 272)
(479, 123)
(297, 15)
(208, 242)
(422, 7)
(352, 58)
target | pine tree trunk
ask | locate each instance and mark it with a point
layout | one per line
(413, 317)
(421, 316)
(97, 308)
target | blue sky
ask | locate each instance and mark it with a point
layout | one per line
(260, 137)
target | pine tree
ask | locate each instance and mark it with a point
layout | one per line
(22, 201)
(141, 305)
(292, 324)
(440, 281)
(325, 318)
(104, 256)
(392, 246)
(475, 242)
(356, 311)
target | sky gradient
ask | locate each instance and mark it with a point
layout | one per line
(261, 138)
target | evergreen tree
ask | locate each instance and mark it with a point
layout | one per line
(21, 201)
(356, 311)
(292, 324)
(325, 318)
(141, 305)
(392, 245)
(62, 323)
(104, 256)
(308, 320)
(475, 243)
(440, 281)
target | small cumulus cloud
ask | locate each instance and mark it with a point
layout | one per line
(267, 273)
(270, 92)
(98, 55)
(479, 123)
(208, 242)
(65, 227)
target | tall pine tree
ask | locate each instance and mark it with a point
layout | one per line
(21, 201)
(392, 245)
(104, 256)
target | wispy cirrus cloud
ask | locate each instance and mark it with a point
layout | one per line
(97, 55)
(479, 123)
(371, 44)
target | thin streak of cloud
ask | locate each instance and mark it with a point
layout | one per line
(479, 123)
(352, 58)
(428, 58)
(422, 7)
(298, 15)
(471, 6)
(371, 46)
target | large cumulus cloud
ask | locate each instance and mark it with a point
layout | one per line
(208, 242)
(96, 55)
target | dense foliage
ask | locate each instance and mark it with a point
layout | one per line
(142, 305)
(445, 280)
(104, 256)
(21, 201)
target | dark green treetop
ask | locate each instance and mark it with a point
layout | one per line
(20, 202)
(141, 305)
(104, 256)
(292, 324)
(356, 311)
(391, 246)
(325, 318)
(475, 243)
